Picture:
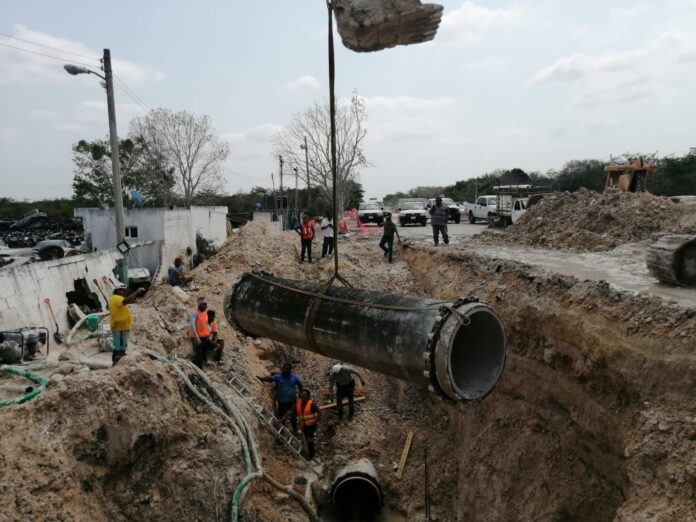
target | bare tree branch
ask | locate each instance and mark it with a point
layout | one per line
(189, 144)
(314, 122)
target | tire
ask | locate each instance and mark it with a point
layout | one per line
(472, 219)
(458, 219)
(401, 223)
(52, 252)
(424, 222)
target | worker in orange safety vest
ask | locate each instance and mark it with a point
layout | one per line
(199, 332)
(306, 232)
(308, 414)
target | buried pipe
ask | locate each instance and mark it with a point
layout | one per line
(455, 348)
(356, 493)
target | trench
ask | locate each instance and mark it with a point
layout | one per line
(548, 443)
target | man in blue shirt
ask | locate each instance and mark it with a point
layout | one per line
(286, 396)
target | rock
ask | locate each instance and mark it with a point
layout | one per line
(66, 355)
(56, 378)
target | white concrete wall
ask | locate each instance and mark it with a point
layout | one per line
(24, 288)
(176, 227)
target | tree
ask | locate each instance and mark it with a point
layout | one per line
(582, 173)
(314, 123)
(142, 169)
(189, 144)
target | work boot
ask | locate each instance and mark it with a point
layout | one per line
(340, 414)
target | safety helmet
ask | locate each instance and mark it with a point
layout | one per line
(336, 368)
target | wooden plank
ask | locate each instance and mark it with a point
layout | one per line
(404, 454)
(345, 403)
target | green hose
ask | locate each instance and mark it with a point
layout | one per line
(29, 395)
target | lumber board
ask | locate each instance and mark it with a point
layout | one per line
(404, 454)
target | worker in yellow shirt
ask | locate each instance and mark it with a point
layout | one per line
(121, 320)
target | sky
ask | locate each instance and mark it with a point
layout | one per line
(527, 83)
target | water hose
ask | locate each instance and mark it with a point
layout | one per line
(26, 396)
(243, 431)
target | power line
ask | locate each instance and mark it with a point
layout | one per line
(131, 93)
(49, 47)
(45, 55)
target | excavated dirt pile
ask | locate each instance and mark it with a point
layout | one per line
(589, 221)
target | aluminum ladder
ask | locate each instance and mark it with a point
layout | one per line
(267, 417)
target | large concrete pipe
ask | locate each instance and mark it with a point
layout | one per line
(356, 493)
(456, 348)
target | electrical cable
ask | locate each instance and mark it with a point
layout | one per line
(58, 58)
(49, 47)
(131, 93)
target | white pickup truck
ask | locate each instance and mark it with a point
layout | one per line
(482, 209)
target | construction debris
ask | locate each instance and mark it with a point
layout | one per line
(588, 221)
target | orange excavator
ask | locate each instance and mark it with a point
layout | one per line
(630, 177)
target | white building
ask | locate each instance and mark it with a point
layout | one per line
(173, 229)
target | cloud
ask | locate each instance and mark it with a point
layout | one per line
(73, 128)
(94, 112)
(8, 133)
(468, 24)
(22, 67)
(43, 115)
(301, 83)
(623, 77)
(263, 133)
(405, 103)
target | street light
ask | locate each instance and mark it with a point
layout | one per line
(113, 135)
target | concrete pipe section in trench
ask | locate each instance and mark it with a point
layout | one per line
(356, 494)
(455, 348)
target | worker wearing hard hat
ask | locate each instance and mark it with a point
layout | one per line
(342, 376)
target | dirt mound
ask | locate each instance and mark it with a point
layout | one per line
(589, 221)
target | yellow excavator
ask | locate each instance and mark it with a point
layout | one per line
(632, 176)
(672, 257)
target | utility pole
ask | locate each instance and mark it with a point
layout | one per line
(282, 210)
(306, 157)
(118, 191)
(297, 200)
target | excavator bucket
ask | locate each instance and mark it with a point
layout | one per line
(372, 25)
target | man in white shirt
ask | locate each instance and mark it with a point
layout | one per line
(327, 229)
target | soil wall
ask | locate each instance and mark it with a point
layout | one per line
(595, 416)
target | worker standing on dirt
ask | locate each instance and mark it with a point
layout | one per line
(438, 219)
(286, 397)
(309, 414)
(388, 238)
(175, 274)
(218, 343)
(342, 376)
(121, 320)
(327, 229)
(199, 332)
(306, 233)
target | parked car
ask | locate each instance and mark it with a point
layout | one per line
(412, 213)
(372, 212)
(453, 212)
(54, 249)
(484, 207)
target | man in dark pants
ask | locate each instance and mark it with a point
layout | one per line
(342, 376)
(308, 413)
(328, 232)
(438, 219)
(306, 232)
(388, 238)
(286, 397)
(199, 332)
